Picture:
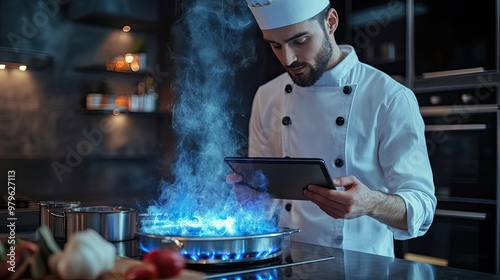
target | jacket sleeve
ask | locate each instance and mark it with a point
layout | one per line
(404, 159)
(259, 134)
(255, 125)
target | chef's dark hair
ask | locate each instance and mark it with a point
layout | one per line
(320, 17)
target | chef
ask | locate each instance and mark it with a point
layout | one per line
(365, 125)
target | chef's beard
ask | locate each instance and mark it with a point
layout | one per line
(320, 66)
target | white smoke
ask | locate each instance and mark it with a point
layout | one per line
(213, 41)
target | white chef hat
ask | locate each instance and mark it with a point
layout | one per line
(278, 13)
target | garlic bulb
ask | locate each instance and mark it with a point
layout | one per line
(86, 255)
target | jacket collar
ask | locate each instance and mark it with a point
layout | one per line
(334, 76)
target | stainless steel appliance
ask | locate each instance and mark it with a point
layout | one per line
(445, 42)
(462, 138)
(461, 134)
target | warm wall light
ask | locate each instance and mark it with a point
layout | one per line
(129, 58)
(19, 66)
(22, 59)
(126, 63)
(120, 64)
(126, 28)
(134, 66)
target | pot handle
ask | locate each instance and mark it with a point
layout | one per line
(56, 215)
(290, 231)
(177, 243)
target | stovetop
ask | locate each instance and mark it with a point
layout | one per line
(293, 256)
(297, 259)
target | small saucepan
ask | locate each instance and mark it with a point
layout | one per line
(114, 223)
(52, 215)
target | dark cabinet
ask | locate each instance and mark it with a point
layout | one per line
(378, 34)
(413, 40)
(448, 53)
(455, 36)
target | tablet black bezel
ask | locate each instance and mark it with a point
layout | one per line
(315, 172)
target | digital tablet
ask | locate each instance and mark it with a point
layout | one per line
(283, 178)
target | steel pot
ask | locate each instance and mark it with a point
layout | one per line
(219, 250)
(113, 223)
(52, 216)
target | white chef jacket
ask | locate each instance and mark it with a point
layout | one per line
(362, 123)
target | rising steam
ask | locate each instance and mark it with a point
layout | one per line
(214, 41)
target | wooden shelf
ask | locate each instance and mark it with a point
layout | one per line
(141, 16)
(32, 59)
(101, 69)
(61, 158)
(118, 21)
(83, 111)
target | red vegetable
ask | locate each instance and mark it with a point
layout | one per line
(169, 262)
(4, 269)
(24, 249)
(145, 270)
(13, 259)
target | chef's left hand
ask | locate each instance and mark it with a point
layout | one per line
(355, 201)
(246, 195)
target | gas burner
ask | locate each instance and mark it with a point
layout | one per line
(218, 251)
(235, 266)
(212, 257)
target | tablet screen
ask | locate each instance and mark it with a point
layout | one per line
(281, 177)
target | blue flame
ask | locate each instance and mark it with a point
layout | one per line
(196, 255)
(270, 274)
(225, 256)
(214, 41)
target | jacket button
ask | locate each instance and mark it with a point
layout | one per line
(288, 88)
(288, 207)
(339, 162)
(347, 89)
(286, 121)
(340, 121)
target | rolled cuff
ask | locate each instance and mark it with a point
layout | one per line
(420, 209)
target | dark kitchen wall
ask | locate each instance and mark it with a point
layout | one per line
(60, 151)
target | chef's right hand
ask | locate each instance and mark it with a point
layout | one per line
(245, 194)
(233, 178)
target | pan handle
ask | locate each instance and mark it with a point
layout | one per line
(290, 231)
(177, 243)
(56, 214)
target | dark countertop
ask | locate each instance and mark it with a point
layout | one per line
(350, 265)
(320, 263)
